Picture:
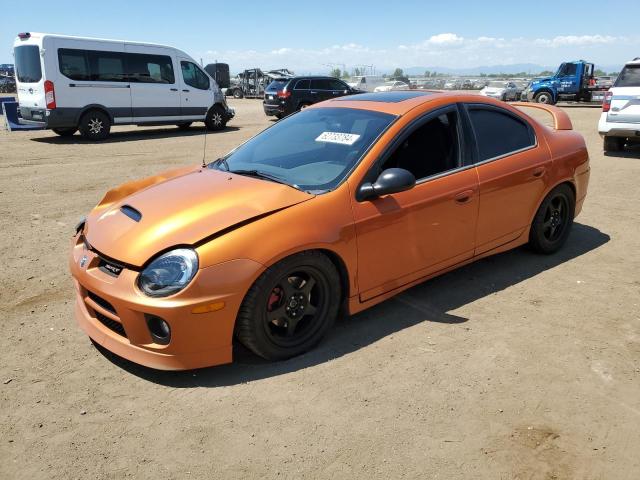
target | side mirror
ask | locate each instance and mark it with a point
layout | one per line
(391, 180)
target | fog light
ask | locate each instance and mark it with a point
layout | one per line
(159, 329)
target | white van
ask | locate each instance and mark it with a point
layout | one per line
(71, 83)
(367, 83)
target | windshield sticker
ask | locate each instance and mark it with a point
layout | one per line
(338, 137)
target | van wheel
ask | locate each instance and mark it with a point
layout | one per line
(613, 144)
(553, 220)
(64, 132)
(95, 125)
(184, 126)
(216, 118)
(237, 93)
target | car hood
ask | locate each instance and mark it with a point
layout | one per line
(180, 209)
(542, 80)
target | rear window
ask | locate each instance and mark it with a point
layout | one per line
(629, 77)
(28, 68)
(277, 84)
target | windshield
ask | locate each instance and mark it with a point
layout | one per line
(629, 77)
(312, 150)
(28, 63)
(496, 84)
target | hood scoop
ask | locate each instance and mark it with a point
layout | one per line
(131, 212)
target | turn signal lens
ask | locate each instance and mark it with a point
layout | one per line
(212, 307)
(606, 103)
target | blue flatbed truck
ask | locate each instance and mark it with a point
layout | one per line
(573, 82)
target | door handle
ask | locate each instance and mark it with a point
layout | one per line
(463, 197)
(185, 90)
(538, 172)
(173, 89)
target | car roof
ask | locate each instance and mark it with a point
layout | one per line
(400, 102)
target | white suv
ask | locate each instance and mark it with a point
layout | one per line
(620, 119)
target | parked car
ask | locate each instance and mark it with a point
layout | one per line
(453, 84)
(620, 118)
(284, 96)
(366, 83)
(7, 85)
(605, 82)
(87, 84)
(501, 90)
(392, 85)
(328, 210)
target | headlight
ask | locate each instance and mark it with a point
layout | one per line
(169, 273)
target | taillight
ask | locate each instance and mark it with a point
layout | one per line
(283, 94)
(24, 35)
(49, 94)
(606, 103)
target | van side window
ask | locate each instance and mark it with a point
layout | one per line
(73, 64)
(193, 76)
(107, 66)
(145, 68)
(498, 134)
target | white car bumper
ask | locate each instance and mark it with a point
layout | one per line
(617, 129)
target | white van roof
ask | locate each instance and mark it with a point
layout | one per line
(39, 35)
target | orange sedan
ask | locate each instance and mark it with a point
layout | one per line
(335, 208)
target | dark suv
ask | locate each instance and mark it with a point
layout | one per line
(287, 95)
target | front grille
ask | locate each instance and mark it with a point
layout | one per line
(102, 302)
(111, 324)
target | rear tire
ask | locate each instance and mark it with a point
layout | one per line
(95, 125)
(613, 144)
(237, 93)
(544, 97)
(552, 223)
(65, 132)
(290, 307)
(216, 118)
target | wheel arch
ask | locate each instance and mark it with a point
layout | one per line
(545, 90)
(94, 106)
(566, 181)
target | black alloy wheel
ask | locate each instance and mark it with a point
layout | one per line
(290, 307)
(553, 221)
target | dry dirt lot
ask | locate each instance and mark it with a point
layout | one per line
(517, 367)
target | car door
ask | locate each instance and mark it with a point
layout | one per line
(154, 87)
(512, 168)
(320, 89)
(338, 88)
(568, 78)
(408, 235)
(196, 95)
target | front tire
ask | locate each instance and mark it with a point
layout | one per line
(216, 118)
(290, 307)
(553, 220)
(95, 125)
(613, 144)
(237, 93)
(64, 132)
(544, 97)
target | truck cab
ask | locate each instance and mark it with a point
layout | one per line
(573, 81)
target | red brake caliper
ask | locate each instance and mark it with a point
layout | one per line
(274, 298)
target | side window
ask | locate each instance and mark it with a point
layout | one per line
(431, 149)
(499, 133)
(320, 84)
(107, 66)
(337, 85)
(73, 64)
(193, 76)
(303, 85)
(144, 68)
(569, 69)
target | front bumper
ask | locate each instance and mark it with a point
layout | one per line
(114, 313)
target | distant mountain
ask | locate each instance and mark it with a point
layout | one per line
(531, 68)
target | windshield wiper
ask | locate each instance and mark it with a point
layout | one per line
(265, 175)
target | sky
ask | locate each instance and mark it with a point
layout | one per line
(313, 37)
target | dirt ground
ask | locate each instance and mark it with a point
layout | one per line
(517, 367)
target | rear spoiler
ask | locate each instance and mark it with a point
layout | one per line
(561, 120)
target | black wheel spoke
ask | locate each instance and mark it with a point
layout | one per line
(310, 310)
(276, 314)
(308, 286)
(291, 326)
